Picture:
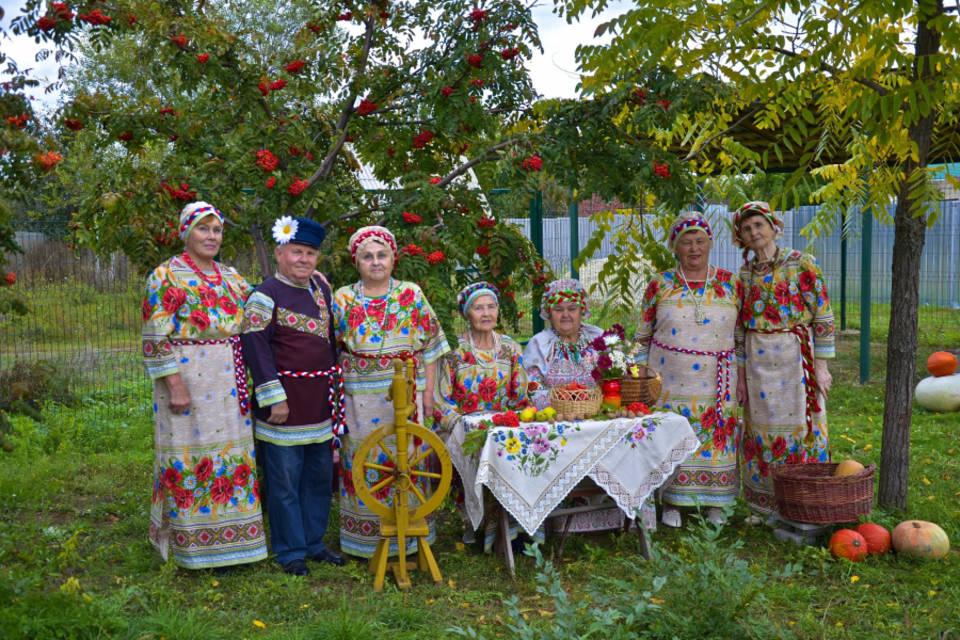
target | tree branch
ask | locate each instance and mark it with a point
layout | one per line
(834, 71)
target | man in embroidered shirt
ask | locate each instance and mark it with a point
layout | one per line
(289, 346)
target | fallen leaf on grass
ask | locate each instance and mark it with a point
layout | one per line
(544, 613)
(259, 624)
(453, 585)
(931, 592)
(868, 447)
(657, 600)
(459, 546)
(854, 579)
(925, 481)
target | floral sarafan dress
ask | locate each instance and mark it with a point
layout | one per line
(480, 380)
(788, 322)
(687, 352)
(373, 333)
(205, 510)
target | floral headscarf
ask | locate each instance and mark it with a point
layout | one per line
(756, 207)
(473, 291)
(363, 235)
(687, 221)
(193, 213)
(563, 290)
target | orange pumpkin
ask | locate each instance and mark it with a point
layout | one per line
(847, 543)
(942, 363)
(877, 537)
(920, 539)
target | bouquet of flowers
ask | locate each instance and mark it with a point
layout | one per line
(612, 349)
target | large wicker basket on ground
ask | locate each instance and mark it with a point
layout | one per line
(645, 390)
(811, 493)
(576, 403)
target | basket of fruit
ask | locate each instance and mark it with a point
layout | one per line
(637, 388)
(576, 401)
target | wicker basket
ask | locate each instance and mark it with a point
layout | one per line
(581, 403)
(645, 390)
(811, 493)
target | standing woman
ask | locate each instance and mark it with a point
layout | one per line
(686, 333)
(789, 332)
(379, 320)
(206, 498)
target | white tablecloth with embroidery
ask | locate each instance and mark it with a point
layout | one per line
(530, 469)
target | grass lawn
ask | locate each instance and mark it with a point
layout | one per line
(75, 561)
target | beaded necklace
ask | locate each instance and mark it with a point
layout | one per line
(697, 299)
(378, 326)
(570, 350)
(474, 348)
(214, 281)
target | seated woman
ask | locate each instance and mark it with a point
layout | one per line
(485, 373)
(561, 353)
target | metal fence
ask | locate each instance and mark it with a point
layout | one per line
(85, 312)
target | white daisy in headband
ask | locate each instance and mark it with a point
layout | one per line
(284, 229)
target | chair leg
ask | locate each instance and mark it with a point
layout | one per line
(563, 538)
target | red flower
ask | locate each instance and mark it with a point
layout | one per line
(421, 139)
(264, 87)
(45, 23)
(719, 438)
(652, 290)
(295, 67)
(172, 299)
(475, 60)
(411, 218)
(778, 447)
(146, 309)
(183, 498)
(446, 91)
(650, 314)
(435, 257)
(486, 222)
(266, 160)
(73, 124)
(459, 391)
(483, 250)
(356, 317)
(807, 281)
(763, 468)
(412, 250)
(509, 53)
(471, 403)
(366, 107)
(782, 292)
(208, 297)
(662, 170)
(60, 8)
(487, 389)
(227, 305)
(533, 163)
(203, 470)
(708, 419)
(171, 477)
(345, 16)
(477, 82)
(297, 186)
(435, 180)
(478, 15)
(722, 275)
(406, 297)
(180, 40)
(200, 319)
(241, 475)
(203, 57)
(221, 490)
(47, 161)
(272, 180)
(792, 458)
(751, 449)
(718, 290)
(665, 104)
(278, 84)
(771, 314)
(255, 490)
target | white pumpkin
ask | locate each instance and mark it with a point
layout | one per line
(940, 393)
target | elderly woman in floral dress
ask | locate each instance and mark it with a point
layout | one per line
(379, 320)
(485, 373)
(562, 353)
(687, 333)
(206, 501)
(783, 379)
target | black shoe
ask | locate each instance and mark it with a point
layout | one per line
(328, 556)
(222, 571)
(297, 568)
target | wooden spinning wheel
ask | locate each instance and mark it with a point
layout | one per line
(390, 479)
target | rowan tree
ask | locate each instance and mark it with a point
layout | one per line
(265, 108)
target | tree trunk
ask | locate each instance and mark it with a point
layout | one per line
(263, 256)
(910, 234)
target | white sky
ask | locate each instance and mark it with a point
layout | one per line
(554, 72)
